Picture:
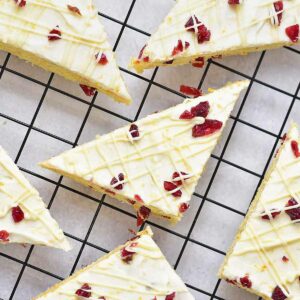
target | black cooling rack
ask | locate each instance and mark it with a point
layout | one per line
(30, 127)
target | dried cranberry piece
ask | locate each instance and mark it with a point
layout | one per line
(17, 214)
(20, 3)
(192, 24)
(54, 34)
(295, 148)
(285, 259)
(293, 32)
(169, 62)
(142, 52)
(142, 215)
(138, 198)
(278, 294)
(170, 186)
(84, 291)
(190, 91)
(89, 91)
(134, 131)
(246, 282)
(234, 282)
(101, 60)
(201, 109)
(119, 180)
(177, 177)
(203, 34)
(278, 6)
(126, 255)
(294, 213)
(198, 62)
(186, 45)
(74, 9)
(178, 49)
(234, 2)
(274, 214)
(186, 115)
(207, 128)
(171, 296)
(4, 236)
(183, 207)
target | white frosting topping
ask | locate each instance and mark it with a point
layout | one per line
(165, 146)
(268, 251)
(37, 227)
(82, 37)
(240, 28)
(146, 276)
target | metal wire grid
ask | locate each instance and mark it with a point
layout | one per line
(151, 82)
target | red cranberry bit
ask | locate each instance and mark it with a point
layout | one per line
(234, 2)
(169, 62)
(203, 34)
(84, 291)
(170, 186)
(171, 296)
(4, 236)
(194, 25)
(234, 282)
(201, 109)
(186, 45)
(295, 148)
(246, 282)
(207, 128)
(145, 59)
(89, 91)
(278, 294)
(278, 6)
(74, 9)
(274, 214)
(177, 177)
(293, 32)
(183, 207)
(54, 34)
(17, 214)
(134, 131)
(138, 198)
(285, 259)
(178, 49)
(101, 60)
(186, 115)
(190, 91)
(115, 180)
(142, 215)
(294, 213)
(198, 62)
(126, 255)
(20, 3)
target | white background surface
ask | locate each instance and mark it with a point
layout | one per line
(32, 111)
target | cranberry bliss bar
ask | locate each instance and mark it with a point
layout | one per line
(62, 38)
(23, 216)
(136, 270)
(155, 163)
(196, 30)
(264, 258)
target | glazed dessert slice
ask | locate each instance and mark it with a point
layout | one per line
(155, 163)
(264, 258)
(136, 270)
(196, 30)
(23, 216)
(64, 37)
